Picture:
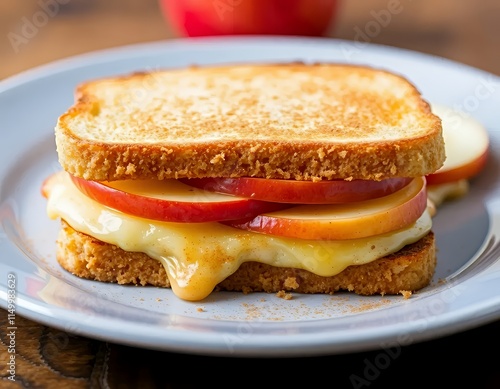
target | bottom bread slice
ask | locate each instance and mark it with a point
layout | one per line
(407, 270)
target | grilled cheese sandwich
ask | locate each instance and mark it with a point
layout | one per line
(327, 126)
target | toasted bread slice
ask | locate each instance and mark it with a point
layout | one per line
(291, 121)
(407, 270)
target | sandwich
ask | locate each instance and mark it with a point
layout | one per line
(277, 178)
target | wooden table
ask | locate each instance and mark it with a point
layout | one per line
(467, 31)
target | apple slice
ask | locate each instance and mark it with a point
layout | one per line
(467, 147)
(171, 200)
(300, 192)
(344, 221)
(47, 185)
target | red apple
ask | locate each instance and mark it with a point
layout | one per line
(344, 221)
(236, 17)
(300, 192)
(466, 145)
(172, 201)
(466, 171)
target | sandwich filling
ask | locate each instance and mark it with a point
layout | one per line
(197, 256)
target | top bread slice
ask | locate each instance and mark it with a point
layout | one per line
(291, 121)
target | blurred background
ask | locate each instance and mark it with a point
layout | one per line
(34, 32)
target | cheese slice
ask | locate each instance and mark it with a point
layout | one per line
(197, 256)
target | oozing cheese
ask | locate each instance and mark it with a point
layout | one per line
(197, 256)
(439, 193)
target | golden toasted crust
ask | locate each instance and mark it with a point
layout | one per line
(410, 269)
(299, 121)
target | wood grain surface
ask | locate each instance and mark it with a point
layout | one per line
(467, 31)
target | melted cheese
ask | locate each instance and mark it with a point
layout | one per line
(197, 256)
(439, 193)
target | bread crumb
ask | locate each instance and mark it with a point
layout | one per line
(283, 295)
(218, 158)
(158, 299)
(246, 290)
(131, 169)
(200, 309)
(368, 306)
(291, 283)
(406, 293)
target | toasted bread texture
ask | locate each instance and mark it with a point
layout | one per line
(291, 121)
(407, 270)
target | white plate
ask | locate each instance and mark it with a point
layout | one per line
(465, 292)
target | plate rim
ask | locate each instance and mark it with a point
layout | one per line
(214, 348)
(78, 60)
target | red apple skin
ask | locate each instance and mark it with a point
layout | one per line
(173, 211)
(300, 192)
(352, 228)
(249, 17)
(465, 171)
